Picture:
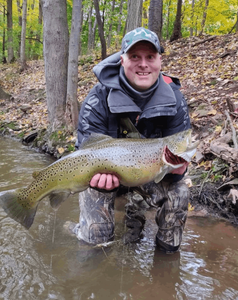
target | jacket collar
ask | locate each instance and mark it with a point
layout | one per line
(162, 102)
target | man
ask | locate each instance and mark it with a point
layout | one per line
(131, 87)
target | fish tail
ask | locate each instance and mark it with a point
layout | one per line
(15, 209)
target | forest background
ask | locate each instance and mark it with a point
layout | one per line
(61, 31)
(49, 48)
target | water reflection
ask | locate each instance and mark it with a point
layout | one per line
(47, 263)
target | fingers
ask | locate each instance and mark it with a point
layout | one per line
(104, 181)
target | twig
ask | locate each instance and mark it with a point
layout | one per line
(232, 129)
(208, 173)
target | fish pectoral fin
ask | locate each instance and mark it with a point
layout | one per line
(160, 176)
(57, 198)
(17, 209)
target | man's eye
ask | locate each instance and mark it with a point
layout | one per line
(134, 56)
(151, 56)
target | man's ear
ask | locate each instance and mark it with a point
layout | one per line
(122, 60)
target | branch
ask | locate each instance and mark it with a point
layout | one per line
(35, 39)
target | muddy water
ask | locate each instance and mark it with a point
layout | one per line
(47, 263)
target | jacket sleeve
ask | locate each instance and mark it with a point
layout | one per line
(93, 115)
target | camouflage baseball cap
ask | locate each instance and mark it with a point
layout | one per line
(137, 35)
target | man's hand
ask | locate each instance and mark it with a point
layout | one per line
(104, 181)
(180, 170)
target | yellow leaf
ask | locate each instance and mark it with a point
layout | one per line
(194, 115)
(60, 150)
(212, 112)
(190, 207)
(218, 129)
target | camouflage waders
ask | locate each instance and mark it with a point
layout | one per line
(172, 202)
(96, 220)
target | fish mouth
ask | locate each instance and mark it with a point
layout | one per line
(172, 159)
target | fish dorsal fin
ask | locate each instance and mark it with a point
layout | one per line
(94, 139)
(35, 174)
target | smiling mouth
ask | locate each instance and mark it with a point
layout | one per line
(143, 73)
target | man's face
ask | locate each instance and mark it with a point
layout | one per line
(142, 65)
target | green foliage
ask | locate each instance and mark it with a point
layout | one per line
(71, 148)
(34, 31)
(220, 19)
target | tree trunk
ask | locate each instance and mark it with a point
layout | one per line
(90, 29)
(109, 38)
(192, 16)
(177, 34)
(119, 24)
(4, 59)
(168, 20)
(40, 17)
(72, 109)
(19, 10)
(204, 17)
(81, 26)
(100, 30)
(156, 17)
(134, 14)
(56, 42)
(23, 36)
(10, 54)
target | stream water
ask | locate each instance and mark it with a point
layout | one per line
(45, 262)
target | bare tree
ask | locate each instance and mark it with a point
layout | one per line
(168, 19)
(56, 43)
(110, 25)
(204, 17)
(23, 36)
(156, 17)
(10, 54)
(19, 11)
(134, 14)
(72, 82)
(4, 59)
(177, 34)
(119, 24)
(100, 30)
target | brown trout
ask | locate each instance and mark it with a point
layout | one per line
(134, 161)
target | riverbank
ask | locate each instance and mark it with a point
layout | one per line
(207, 68)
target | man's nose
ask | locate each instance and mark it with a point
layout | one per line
(143, 62)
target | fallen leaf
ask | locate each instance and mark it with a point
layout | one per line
(60, 150)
